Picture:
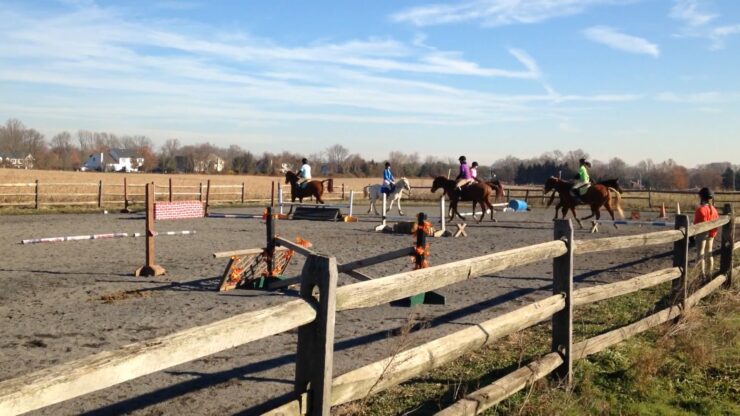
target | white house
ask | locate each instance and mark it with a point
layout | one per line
(16, 160)
(115, 160)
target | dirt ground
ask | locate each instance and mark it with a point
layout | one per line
(64, 301)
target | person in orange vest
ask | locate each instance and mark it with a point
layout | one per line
(705, 241)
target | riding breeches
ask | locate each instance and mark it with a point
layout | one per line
(463, 182)
(704, 257)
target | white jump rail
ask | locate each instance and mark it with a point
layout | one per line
(595, 223)
(106, 236)
(282, 203)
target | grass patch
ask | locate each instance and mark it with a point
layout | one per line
(685, 368)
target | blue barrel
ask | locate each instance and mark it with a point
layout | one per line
(518, 205)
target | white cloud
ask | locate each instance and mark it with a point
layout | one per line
(706, 97)
(689, 11)
(496, 12)
(623, 42)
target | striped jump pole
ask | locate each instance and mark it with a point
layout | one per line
(106, 236)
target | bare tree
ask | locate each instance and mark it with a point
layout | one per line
(337, 156)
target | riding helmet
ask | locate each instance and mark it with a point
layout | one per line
(706, 194)
(462, 159)
(475, 164)
(387, 164)
(304, 160)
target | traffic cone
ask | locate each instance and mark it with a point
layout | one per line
(678, 208)
(662, 215)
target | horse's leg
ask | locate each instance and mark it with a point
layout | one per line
(372, 204)
(482, 210)
(399, 197)
(564, 210)
(573, 210)
(457, 212)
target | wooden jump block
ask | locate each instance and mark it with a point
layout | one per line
(461, 230)
(178, 210)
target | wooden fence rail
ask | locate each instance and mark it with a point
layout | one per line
(316, 390)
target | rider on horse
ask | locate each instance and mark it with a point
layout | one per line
(389, 182)
(583, 181)
(304, 174)
(474, 172)
(464, 177)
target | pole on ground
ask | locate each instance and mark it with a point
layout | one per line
(149, 268)
(562, 283)
(681, 260)
(315, 355)
(727, 245)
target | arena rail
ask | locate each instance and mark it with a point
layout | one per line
(315, 317)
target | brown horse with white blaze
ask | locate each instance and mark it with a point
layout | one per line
(479, 193)
(596, 196)
(313, 188)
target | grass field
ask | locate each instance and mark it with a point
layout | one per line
(686, 368)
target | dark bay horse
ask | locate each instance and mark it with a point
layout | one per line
(313, 188)
(596, 196)
(477, 192)
(498, 188)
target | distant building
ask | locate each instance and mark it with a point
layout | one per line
(210, 164)
(115, 160)
(16, 160)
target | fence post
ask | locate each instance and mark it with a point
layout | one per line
(343, 192)
(681, 260)
(562, 283)
(170, 188)
(200, 191)
(150, 269)
(315, 356)
(100, 194)
(36, 199)
(272, 195)
(727, 245)
(243, 187)
(650, 197)
(208, 196)
(526, 196)
(508, 194)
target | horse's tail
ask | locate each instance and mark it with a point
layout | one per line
(552, 199)
(365, 192)
(330, 185)
(619, 201)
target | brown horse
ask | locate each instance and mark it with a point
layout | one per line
(596, 196)
(609, 183)
(477, 192)
(312, 188)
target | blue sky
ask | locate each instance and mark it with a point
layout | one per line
(633, 78)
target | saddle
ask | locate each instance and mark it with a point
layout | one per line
(387, 190)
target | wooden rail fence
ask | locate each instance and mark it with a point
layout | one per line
(316, 390)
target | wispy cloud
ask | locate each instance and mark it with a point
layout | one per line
(496, 12)
(620, 41)
(111, 68)
(691, 12)
(696, 23)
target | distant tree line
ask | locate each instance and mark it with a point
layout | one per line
(65, 151)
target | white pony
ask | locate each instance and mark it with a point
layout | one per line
(373, 191)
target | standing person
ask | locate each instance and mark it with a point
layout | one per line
(464, 177)
(304, 174)
(583, 180)
(705, 241)
(389, 182)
